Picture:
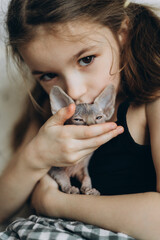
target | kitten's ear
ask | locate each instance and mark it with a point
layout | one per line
(106, 101)
(58, 99)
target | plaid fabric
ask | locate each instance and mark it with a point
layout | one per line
(41, 228)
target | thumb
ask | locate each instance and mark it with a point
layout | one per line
(63, 115)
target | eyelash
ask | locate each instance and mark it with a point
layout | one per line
(53, 75)
(49, 75)
(91, 57)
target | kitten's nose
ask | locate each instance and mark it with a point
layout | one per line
(90, 121)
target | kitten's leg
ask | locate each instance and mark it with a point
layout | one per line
(60, 176)
(86, 185)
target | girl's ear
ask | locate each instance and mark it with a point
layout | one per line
(123, 31)
(58, 99)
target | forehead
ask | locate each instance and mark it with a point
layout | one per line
(74, 32)
(64, 40)
(71, 31)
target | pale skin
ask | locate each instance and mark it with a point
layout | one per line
(82, 79)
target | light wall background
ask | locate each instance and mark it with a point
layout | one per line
(12, 92)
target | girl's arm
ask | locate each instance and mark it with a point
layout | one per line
(137, 215)
(18, 179)
(53, 145)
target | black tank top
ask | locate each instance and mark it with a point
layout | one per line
(122, 166)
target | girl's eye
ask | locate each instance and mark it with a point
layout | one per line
(48, 76)
(86, 60)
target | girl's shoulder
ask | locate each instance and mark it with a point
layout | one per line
(149, 119)
(145, 113)
(153, 107)
(144, 121)
(153, 115)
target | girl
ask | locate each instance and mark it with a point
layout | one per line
(83, 46)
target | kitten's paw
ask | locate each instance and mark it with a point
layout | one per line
(92, 191)
(71, 190)
(74, 190)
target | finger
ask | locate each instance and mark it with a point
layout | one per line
(95, 142)
(62, 115)
(86, 132)
(88, 146)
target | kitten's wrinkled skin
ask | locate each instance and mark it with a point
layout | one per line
(85, 114)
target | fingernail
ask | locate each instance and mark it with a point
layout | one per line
(113, 126)
(120, 129)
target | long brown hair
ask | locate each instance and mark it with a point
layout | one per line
(140, 58)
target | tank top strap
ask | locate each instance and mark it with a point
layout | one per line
(122, 111)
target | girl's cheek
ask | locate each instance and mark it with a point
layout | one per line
(47, 86)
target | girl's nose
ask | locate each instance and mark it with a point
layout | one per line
(75, 87)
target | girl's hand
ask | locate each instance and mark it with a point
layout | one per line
(45, 193)
(62, 145)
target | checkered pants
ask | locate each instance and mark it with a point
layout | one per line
(41, 228)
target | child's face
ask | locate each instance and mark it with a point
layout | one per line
(82, 59)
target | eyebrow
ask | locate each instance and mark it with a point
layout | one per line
(77, 55)
(36, 72)
(83, 51)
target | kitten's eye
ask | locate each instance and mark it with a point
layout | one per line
(99, 117)
(48, 76)
(86, 60)
(78, 119)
